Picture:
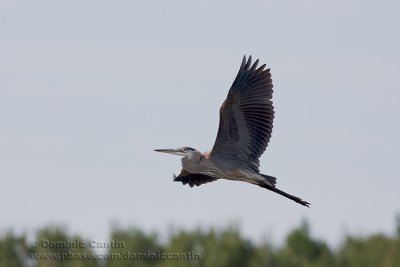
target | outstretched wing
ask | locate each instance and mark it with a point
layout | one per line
(193, 179)
(246, 118)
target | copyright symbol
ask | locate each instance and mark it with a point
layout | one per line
(34, 244)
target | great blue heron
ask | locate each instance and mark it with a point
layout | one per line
(245, 127)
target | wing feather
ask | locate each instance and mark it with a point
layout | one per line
(246, 119)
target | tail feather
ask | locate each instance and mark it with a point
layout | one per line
(270, 179)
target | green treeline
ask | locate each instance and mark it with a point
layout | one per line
(53, 247)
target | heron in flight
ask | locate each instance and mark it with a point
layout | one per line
(245, 127)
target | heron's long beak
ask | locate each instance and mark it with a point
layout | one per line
(176, 151)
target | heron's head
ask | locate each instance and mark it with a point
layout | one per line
(182, 151)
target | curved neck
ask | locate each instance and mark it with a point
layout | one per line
(192, 162)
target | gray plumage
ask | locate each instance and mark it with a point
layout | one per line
(245, 127)
(246, 119)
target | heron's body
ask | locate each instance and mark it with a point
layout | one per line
(245, 128)
(202, 163)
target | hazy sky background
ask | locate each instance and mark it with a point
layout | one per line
(89, 88)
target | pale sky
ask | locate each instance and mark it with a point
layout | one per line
(89, 88)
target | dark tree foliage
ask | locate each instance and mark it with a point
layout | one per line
(398, 226)
(197, 248)
(13, 251)
(54, 247)
(137, 249)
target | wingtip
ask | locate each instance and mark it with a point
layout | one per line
(261, 68)
(243, 62)
(248, 63)
(255, 64)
